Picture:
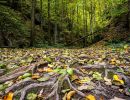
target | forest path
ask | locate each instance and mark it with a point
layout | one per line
(92, 73)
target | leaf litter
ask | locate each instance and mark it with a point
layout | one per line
(95, 73)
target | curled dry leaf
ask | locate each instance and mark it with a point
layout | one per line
(107, 81)
(35, 76)
(116, 98)
(86, 87)
(65, 96)
(44, 70)
(9, 96)
(117, 80)
(90, 97)
(70, 94)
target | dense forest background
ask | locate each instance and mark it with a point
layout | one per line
(43, 23)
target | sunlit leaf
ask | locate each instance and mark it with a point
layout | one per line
(70, 71)
(31, 96)
(26, 75)
(9, 96)
(42, 79)
(97, 76)
(70, 94)
(90, 97)
(117, 80)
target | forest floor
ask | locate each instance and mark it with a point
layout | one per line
(94, 73)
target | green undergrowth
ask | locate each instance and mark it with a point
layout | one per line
(12, 25)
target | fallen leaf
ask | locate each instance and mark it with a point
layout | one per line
(31, 96)
(26, 75)
(45, 69)
(9, 96)
(42, 79)
(65, 96)
(86, 87)
(66, 90)
(117, 80)
(70, 71)
(97, 76)
(85, 80)
(70, 94)
(90, 97)
(107, 81)
(35, 76)
(116, 98)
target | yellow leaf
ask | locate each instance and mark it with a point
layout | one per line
(70, 94)
(85, 80)
(90, 97)
(9, 96)
(48, 70)
(117, 78)
(44, 70)
(35, 76)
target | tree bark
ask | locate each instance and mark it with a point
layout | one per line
(32, 35)
(129, 13)
(41, 14)
(49, 24)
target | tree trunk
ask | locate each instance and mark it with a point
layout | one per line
(49, 24)
(55, 28)
(41, 14)
(32, 35)
(129, 13)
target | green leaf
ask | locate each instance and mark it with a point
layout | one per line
(70, 71)
(26, 75)
(62, 71)
(48, 59)
(31, 96)
(3, 87)
(57, 70)
(66, 90)
(2, 65)
(97, 76)
(43, 79)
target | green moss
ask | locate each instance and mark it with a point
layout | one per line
(12, 25)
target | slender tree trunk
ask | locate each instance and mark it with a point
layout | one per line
(62, 15)
(41, 14)
(55, 29)
(129, 13)
(91, 18)
(32, 35)
(49, 24)
(84, 22)
(77, 14)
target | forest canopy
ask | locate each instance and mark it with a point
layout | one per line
(57, 21)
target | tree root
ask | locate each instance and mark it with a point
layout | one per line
(71, 86)
(78, 72)
(55, 86)
(16, 73)
(34, 85)
(19, 84)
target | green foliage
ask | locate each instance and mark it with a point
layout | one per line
(12, 25)
(74, 19)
